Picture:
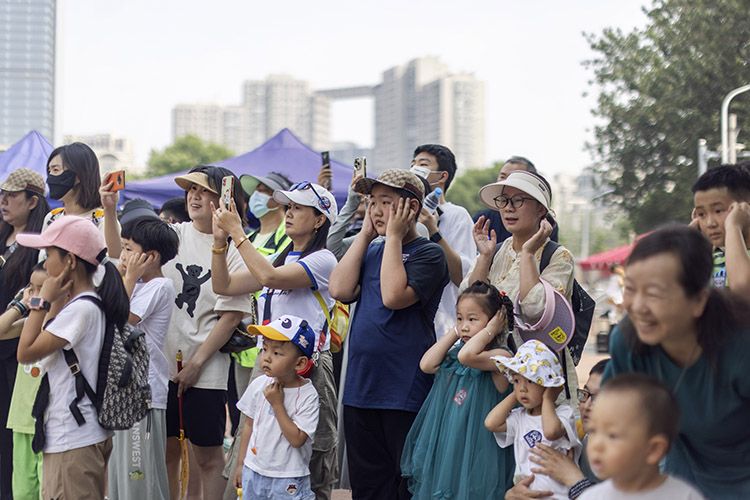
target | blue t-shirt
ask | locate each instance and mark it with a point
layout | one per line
(385, 346)
(712, 450)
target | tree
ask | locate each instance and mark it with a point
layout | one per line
(464, 190)
(186, 152)
(660, 90)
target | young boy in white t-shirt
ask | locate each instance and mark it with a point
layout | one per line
(634, 421)
(282, 414)
(137, 468)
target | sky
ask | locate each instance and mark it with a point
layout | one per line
(122, 66)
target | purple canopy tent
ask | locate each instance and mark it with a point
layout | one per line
(283, 153)
(32, 152)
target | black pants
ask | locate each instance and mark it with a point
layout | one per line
(374, 442)
(8, 366)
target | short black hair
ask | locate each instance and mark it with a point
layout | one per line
(599, 367)
(445, 158)
(176, 207)
(658, 405)
(153, 234)
(735, 178)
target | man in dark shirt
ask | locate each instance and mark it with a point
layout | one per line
(398, 282)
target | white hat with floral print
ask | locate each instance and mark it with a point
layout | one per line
(535, 362)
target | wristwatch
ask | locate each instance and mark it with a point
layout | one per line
(39, 304)
(435, 238)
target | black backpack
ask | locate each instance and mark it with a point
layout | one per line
(123, 394)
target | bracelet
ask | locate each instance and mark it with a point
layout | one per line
(20, 307)
(243, 240)
(435, 238)
(578, 488)
(221, 250)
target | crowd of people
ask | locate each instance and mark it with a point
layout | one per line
(454, 380)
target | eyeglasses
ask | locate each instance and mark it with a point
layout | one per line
(323, 203)
(515, 202)
(584, 395)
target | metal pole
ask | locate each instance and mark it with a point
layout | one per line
(732, 138)
(725, 121)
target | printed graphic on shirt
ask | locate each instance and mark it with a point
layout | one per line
(191, 286)
(532, 438)
(460, 397)
(291, 489)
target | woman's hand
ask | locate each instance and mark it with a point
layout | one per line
(557, 465)
(485, 239)
(109, 198)
(536, 242)
(521, 490)
(223, 220)
(55, 288)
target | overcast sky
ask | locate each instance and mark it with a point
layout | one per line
(124, 65)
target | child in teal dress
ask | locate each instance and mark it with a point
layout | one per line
(448, 453)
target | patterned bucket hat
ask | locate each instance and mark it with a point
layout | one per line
(24, 179)
(535, 362)
(395, 178)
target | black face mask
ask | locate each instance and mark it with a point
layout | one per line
(59, 185)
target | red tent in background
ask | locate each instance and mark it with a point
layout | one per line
(603, 260)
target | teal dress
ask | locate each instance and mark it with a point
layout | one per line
(449, 454)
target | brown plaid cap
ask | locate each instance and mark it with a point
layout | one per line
(24, 179)
(393, 177)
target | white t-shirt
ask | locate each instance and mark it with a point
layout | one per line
(81, 323)
(524, 431)
(153, 302)
(196, 304)
(456, 227)
(300, 301)
(274, 456)
(672, 488)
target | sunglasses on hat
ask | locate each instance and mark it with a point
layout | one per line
(323, 203)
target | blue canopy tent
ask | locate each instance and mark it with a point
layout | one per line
(32, 152)
(283, 153)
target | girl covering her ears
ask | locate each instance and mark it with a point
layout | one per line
(62, 317)
(448, 452)
(290, 283)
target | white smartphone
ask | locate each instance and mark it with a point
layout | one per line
(227, 188)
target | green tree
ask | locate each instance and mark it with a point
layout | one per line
(660, 90)
(464, 190)
(186, 152)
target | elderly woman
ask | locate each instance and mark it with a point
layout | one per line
(694, 339)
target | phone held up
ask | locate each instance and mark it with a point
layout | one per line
(117, 179)
(227, 188)
(360, 166)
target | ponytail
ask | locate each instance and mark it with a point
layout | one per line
(112, 291)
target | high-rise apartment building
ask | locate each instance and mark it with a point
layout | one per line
(27, 68)
(267, 106)
(423, 102)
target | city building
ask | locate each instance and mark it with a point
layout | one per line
(416, 103)
(27, 68)
(114, 153)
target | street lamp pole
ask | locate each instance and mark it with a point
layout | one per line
(725, 121)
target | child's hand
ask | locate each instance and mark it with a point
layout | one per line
(274, 393)
(695, 221)
(537, 241)
(484, 238)
(368, 228)
(399, 222)
(55, 288)
(26, 297)
(137, 265)
(497, 324)
(738, 216)
(551, 393)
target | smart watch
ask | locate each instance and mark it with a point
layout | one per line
(39, 304)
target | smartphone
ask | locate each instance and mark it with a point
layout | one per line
(117, 178)
(227, 188)
(360, 165)
(325, 159)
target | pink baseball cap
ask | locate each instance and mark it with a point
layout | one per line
(556, 326)
(73, 234)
